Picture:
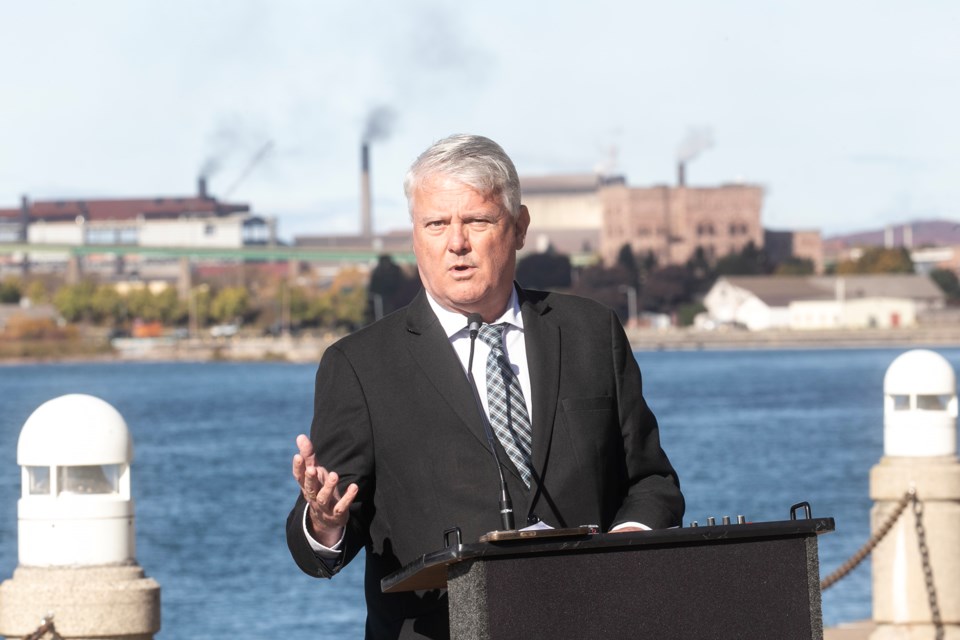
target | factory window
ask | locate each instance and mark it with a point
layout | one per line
(101, 236)
(209, 230)
(127, 236)
(705, 229)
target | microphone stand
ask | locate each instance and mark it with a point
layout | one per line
(474, 322)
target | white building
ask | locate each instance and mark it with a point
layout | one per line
(193, 221)
(821, 302)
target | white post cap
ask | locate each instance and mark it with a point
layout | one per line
(920, 406)
(75, 506)
(74, 430)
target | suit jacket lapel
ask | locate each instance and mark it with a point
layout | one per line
(542, 340)
(430, 348)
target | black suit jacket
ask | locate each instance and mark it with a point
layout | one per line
(394, 412)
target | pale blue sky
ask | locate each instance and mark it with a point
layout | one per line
(847, 112)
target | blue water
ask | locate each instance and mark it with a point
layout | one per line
(749, 432)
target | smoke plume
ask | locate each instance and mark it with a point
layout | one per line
(379, 124)
(697, 140)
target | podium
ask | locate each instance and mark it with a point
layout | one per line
(728, 581)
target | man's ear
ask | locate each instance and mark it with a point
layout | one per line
(523, 221)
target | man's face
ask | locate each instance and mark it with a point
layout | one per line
(465, 246)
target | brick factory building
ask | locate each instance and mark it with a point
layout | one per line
(599, 214)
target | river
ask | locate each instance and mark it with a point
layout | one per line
(750, 432)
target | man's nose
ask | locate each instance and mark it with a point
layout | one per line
(458, 242)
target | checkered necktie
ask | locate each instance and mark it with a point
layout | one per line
(505, 404)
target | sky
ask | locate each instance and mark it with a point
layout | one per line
(847, 112)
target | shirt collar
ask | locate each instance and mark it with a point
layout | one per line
(453, 322)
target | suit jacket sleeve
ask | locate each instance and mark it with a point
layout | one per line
(653, 491)
(340, 433)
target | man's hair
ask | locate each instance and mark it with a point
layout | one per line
(478, 162)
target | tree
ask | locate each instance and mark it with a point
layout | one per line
(10, 291)
(795, 267)
(108, 305)
(667, 288)
(605, 285)
(750, 261)
(548, 270)
(628, 261)
(231, 304)
(878, 260)
(948, 282)
(36, 292)
(75, 301)
(390, 287)
(342, 304)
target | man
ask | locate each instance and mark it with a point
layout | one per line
(398, 451)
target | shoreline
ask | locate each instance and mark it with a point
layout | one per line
(306, 349)
(695, 340)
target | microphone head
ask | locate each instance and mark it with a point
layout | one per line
(474, 322)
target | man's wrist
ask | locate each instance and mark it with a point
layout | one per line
(327, 552)
(327, 537)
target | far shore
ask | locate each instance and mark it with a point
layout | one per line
(306, 349)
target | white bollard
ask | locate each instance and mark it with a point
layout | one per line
(920, 453)
(76, 528)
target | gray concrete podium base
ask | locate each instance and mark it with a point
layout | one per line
(106, 602)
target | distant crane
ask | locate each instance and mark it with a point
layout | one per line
(254, 161)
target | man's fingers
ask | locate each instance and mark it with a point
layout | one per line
(343, 504)
(305, 448)
(327, 495)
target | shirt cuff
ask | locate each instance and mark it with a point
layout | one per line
(329, 553)
(628, 524)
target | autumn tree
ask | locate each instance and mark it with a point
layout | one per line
(794, 267)
(878, 260)
(10, 290)
(230, 304)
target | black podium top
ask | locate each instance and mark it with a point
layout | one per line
(430, 570)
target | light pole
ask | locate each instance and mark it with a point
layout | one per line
(631, 304)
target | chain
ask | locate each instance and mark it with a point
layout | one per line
(927, 568)
(874, 540)
(848, 566)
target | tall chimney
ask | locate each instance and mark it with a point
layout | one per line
(681, 174)
(202, 187)
(24, 219)
(366, 215)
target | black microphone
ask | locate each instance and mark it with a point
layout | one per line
(474, 322)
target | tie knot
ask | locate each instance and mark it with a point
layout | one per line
(492, 336)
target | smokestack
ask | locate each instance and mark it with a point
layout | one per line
(202, 187)
(24, 219)
(697, 141)
(366, 215)
(908, 236)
